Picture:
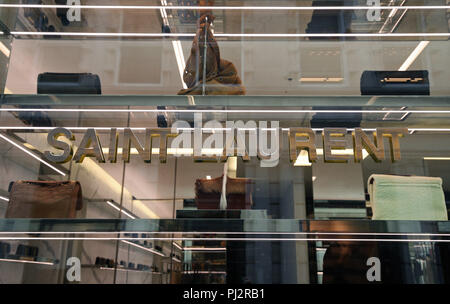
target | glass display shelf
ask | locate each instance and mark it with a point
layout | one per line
(275, 101)
(121, 269)
(248, 229)
(29, 260)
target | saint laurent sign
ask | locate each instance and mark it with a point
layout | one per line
(226, 142)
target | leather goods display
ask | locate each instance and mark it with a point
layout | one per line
(4, 249)
(221, 77)
(330, 21)
(238, 193)
(27, 251)
(68, 83)
(44, 199)
(395, 83)
(336, 119)
(416, 198)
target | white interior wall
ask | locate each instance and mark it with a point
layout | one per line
(149, 67)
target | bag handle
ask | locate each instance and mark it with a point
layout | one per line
(223, 196)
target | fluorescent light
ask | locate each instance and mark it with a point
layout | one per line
(217, 111)
(417, 51)
(436, 158)
(204, 272)
(204, 249)
(176, 245)
(176, 44)
(4, 49)
(271, 8)
(4, 198)
(144, 248)
(321, 79)
(176, 260)
(220, 232)
(31, 154)
(118, 209)
(309, 239)
(237, 35)
(27, 262)
(127, 269)
(192, 129)
(208, 176)
(406, 65)
(314, 178)
(391, 15)
(104, 34)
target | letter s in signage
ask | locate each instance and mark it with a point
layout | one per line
(52, 140)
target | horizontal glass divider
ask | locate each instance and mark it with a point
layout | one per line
(47, 262)
(196, 7)
(418, 240)
(219, 225)
(156, 150)
(250, 101)
(231, 35)
(128, 238)
(117, 268)
(249, 111)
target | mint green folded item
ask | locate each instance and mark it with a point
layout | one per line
(417, 198)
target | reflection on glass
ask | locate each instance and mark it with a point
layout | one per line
(206, 73)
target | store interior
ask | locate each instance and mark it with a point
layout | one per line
(287, 77)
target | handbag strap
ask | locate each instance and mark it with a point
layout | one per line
(223, 196)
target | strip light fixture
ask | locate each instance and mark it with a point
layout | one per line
(176, 44)
(31, 154)
(423, 234)
(4, 198)
(413, 56)
(156, 150)
(127, 269)
(270, 8)
(120, 210)
(229, 35)
(27, 262)
(224, 111)
(177, 245)
(203, 272)
(204, 249)
(427, 240)
(4, 49)
(144, 248)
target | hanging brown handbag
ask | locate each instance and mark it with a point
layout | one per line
(238, 193)
(44, 199)
(221, 77)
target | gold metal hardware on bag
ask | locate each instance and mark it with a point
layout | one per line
(402, 79)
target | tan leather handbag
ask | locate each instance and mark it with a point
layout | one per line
(44, 199)
(221, 77)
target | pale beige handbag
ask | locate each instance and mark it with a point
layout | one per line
(415, 198)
